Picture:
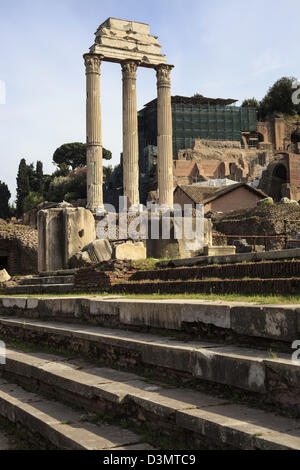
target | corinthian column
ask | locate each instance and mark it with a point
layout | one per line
(164, 136)
(130, 134)
(93, 132)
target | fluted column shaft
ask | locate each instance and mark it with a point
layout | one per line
(130, 134)
(164, 136)
(93, 132)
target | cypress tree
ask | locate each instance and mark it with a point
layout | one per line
(4, 199)
(39, 178)
(23, 186)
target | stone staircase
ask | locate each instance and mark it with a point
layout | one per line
(57, 282)
(259, 273)
(281, 277)
(150, 381)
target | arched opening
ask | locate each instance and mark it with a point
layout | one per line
(251, 139)
(4, 260)
(279, 177)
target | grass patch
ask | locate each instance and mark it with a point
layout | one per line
(258, 299)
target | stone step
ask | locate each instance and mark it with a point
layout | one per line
(243, 323)
(262, 270)
(59, 425)
(60, 272)
(268, 377)
(237, 258)
(40, 289)
(210, 286)
(32, 281)
(204, 420)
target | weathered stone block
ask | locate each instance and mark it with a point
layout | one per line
(218, 250)
(178, 238)
(99, 250)
(286, 375)
(79, 229)
(129, 250)
(69, 307)
(49, 307)
(62, 233)
(229, 367)
(156, 314)
(14, 302)
(266, 321)
(218, 315)
(178, 359)
(99, 308)
(4, 276)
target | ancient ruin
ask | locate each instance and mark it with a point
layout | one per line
(130, 44)
(89, 367)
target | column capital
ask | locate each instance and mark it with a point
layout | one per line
(129, 68)
(92, 63)
(163, 75)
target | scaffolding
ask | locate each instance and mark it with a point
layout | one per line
(194, 119)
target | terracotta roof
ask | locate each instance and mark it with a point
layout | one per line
(198, 193)
(206, 194)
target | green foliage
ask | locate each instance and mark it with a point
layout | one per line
(63, 170)
(107, 155)
(70, 197)
(279, 98)
(4, 199)
(12, 210)
(39, 178)
(250, 103)
(32, 200)
(74, 155)
(267, 203)
(23, 185)
(70, 187)
(116, 177)
(30, 186)
(107, 172)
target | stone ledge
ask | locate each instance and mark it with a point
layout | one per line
(273, 322)
(57, 423)
(237, 258)
(231, 366)
(169, 409)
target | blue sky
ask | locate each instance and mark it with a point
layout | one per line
(220, 48)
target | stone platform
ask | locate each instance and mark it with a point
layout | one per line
(208, 408)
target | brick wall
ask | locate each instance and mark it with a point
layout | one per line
(265, 270)
(18, 262)
(294, 169)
